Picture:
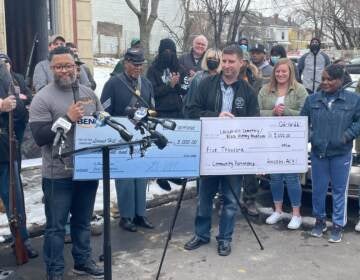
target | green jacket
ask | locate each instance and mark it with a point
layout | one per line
(294, 101)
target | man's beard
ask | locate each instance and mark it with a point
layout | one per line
(64, 83)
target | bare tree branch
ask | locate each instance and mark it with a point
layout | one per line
(133, 8)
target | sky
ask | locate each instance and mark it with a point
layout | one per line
(270, 7)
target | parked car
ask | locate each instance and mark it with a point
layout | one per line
(355, 60)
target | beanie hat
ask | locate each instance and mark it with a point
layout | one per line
(315, 39)
(165, 44)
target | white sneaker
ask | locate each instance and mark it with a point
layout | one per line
(274, 218)
(295, 222)
(357, 227)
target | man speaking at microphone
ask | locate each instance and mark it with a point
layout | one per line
(124, 90)
(55, 109)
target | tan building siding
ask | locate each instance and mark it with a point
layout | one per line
(84, 29)
(2, 27)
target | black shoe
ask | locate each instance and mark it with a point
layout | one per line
(143, 222)
(224, 248)
(89, 268)
(32, 253)
(127, 224)
(251, 208)
(164, 184)
(54, 277)
(195, 243)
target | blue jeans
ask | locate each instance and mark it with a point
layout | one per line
(131, 197)
(209, 186)
(293, 186)
(336, 170)
(4, 194)
(64, 196)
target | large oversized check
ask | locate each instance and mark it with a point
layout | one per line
(254, 145)
(180, 158)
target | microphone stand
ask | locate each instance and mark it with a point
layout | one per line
(172, 225)
(105, 149)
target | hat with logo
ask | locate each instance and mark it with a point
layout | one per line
(134, 55)
(258, 48)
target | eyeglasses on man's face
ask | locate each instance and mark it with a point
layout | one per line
(61, 67)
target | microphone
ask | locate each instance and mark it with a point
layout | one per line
(60, 127)
(142, 113)
(166, 123)
(103, 118)
(75, 90)
(159, 139)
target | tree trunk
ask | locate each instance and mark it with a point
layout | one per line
(146, 22)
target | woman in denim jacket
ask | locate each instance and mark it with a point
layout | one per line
(334, 119)
(283, 96)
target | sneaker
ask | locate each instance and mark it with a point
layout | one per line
(295, 222)
(357, 227)
(274, 218)
(89, 268)
(336, 234)
(319, 228)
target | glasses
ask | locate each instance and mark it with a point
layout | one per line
(61, 67)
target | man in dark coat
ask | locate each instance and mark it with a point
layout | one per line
(222, 95)
(119, 93)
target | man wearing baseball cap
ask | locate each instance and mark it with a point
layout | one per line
(43, 75)
(258, 57)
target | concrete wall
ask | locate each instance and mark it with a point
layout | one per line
(115, 11)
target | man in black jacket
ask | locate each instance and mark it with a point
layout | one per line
(222, 95)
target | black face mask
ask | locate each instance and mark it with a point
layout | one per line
(212, 64)
(167, 57)
(314, 48)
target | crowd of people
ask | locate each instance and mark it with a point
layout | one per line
(238, 81)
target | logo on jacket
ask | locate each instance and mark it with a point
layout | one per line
(239, 103)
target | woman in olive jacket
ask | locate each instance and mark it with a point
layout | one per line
(283, 96)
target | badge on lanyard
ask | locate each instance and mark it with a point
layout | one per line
(137, 92)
